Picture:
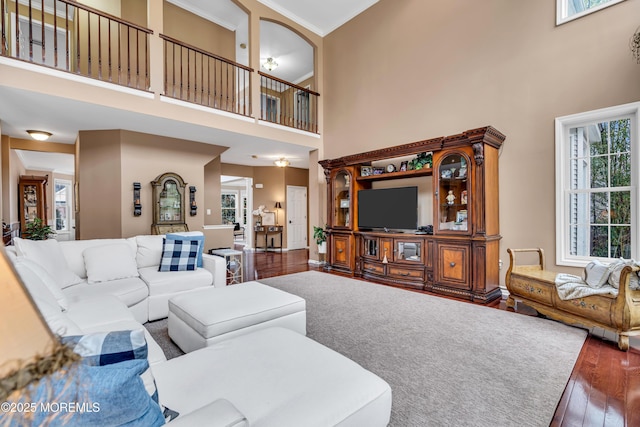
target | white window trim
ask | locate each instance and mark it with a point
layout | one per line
(561, 11)
(562, 126)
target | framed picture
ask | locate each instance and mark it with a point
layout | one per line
(268, 218)
(378, 170)
(461, 216)
(344, 203)
(403, 166)
(366, 170)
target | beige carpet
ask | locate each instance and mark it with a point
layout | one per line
(449, 363)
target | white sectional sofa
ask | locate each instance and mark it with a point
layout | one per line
(271, 377)
(126, 268)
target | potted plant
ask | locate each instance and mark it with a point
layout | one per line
(321, 239)
(37, 230)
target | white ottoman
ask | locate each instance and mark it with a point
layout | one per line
(200, 318)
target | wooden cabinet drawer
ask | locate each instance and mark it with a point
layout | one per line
(407, 273)
(453, 265)
(373, 267)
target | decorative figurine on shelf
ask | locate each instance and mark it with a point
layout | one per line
(451, 197)
(463, 197)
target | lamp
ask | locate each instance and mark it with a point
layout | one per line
(29, 349)
(39, 135)
(270, 64)
(282, 162)
(277, 206)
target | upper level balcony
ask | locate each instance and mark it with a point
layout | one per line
(75, 38)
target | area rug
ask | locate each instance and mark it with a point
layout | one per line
(448, 363)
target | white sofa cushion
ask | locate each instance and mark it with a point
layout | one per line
(166, 282)
(48, 254)
(40, 283)
(149, 250)
(130, 291)
(97, 311)
(276, 377)
(110, 262)
(58, 321)
(73, 251)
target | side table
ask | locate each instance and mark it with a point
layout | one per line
(233, 261)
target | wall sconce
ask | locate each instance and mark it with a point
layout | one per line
(192, 201)
(137, 207)
(277, 206)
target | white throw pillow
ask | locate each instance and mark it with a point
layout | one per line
(149, 250)
(110, 262)
(616, 270)
(35, 277)
(596, 274)
(49, 256)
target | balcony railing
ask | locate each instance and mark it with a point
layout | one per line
(80, 39)
(76, 38)
(195, 75)
(288, 104)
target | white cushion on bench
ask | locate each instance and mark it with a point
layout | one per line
(165, 282)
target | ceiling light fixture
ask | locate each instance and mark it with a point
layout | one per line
(282, 162)
(39, 135)
(270, 64)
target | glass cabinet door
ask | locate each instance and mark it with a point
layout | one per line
(453, 192)
(342, 200)
(408, 251)
(170, 202)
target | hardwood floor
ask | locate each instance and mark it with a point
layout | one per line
(604, 388)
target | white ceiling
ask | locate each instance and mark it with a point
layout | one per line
(64, 118)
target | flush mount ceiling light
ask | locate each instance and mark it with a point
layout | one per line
(39, 135)
(270, 64)
(282, 162)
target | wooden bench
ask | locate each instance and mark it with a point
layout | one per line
(534, 286)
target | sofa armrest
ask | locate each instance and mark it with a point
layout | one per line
(217, 267)
(220, 412)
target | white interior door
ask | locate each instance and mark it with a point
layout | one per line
(296, 217)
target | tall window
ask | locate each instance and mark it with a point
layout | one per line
(568, 10)
(63, 204)
(597, 185)
(229, 207)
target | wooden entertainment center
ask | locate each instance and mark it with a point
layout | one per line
(461, 257)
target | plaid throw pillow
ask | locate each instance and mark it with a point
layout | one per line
(107, 348)
(179, 255)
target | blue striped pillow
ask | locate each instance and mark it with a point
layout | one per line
(107, 348)
(179, 255)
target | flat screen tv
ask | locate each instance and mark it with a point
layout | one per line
(388, 208)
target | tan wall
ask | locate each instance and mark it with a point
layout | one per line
(99, 184)
(427, 69)
(111, 161)
(134, 11)
(192, 29)
(144, 158)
